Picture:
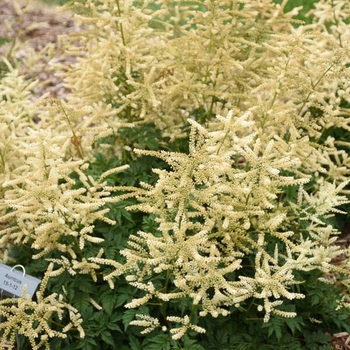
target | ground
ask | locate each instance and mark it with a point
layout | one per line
(51, 24)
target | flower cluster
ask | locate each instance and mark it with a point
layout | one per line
(32, 318)
(221, 202)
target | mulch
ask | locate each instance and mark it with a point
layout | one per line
(50, 24)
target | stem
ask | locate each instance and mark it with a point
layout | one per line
(274, 96)
(250, 305)
(194, 307)
(211, 106)
(76, 141)
(167, 281)
(2, 159)
(247, 199)
(16, 34)
(120, 24)
(164, 304)
(57, 323)
(314, 86)
(241, 92)
(336, 21)
(222, 142)
(79, 251)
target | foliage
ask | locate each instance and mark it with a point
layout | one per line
(303, 6)
(189, 192)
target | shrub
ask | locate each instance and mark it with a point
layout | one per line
(187, 192)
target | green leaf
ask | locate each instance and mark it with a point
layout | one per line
(318, 338)
(4, 41)
(100, 318)
(87, 343)
(294, 323)
(58, 343)
(134, 343)
(108, 300)
(128, 316)
(152, 144)
(114, 327)
(191, 344)
(81, 302)
(85, 285)
(274, 326)
(159, 342)
(106, 336)
(122, 299)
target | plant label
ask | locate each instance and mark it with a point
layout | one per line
(12, 281)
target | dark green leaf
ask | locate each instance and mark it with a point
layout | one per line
(128, 316)
(107, 337)
(134, 343)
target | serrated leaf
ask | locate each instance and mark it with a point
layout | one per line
(134, 343)
(116, 317)
(159, 342)
(81, 302)
(108, 300)
(152, 144)
(318, 337)
(160, 339)
(274, 327)
(100, 318)
(114, 327)
(85, 285)
(128, 316)
(121, 299)
(191, 344)
(106, 337)
(294, 323)
(87, 344)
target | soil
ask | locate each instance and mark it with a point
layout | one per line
(52, 24)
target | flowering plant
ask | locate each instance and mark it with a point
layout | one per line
(192, 174)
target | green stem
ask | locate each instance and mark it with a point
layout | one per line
(78, 251)
(76, 140)
(274, 96)
(16, 34)
(2, 159)
(222, 142)
(211, 106)
(167, 281)
(314, 86)
(56, 323)
(251, 304)
(120, 24)
(164, 304)
(336, 21)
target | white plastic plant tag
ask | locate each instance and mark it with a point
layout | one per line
(12, 281)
